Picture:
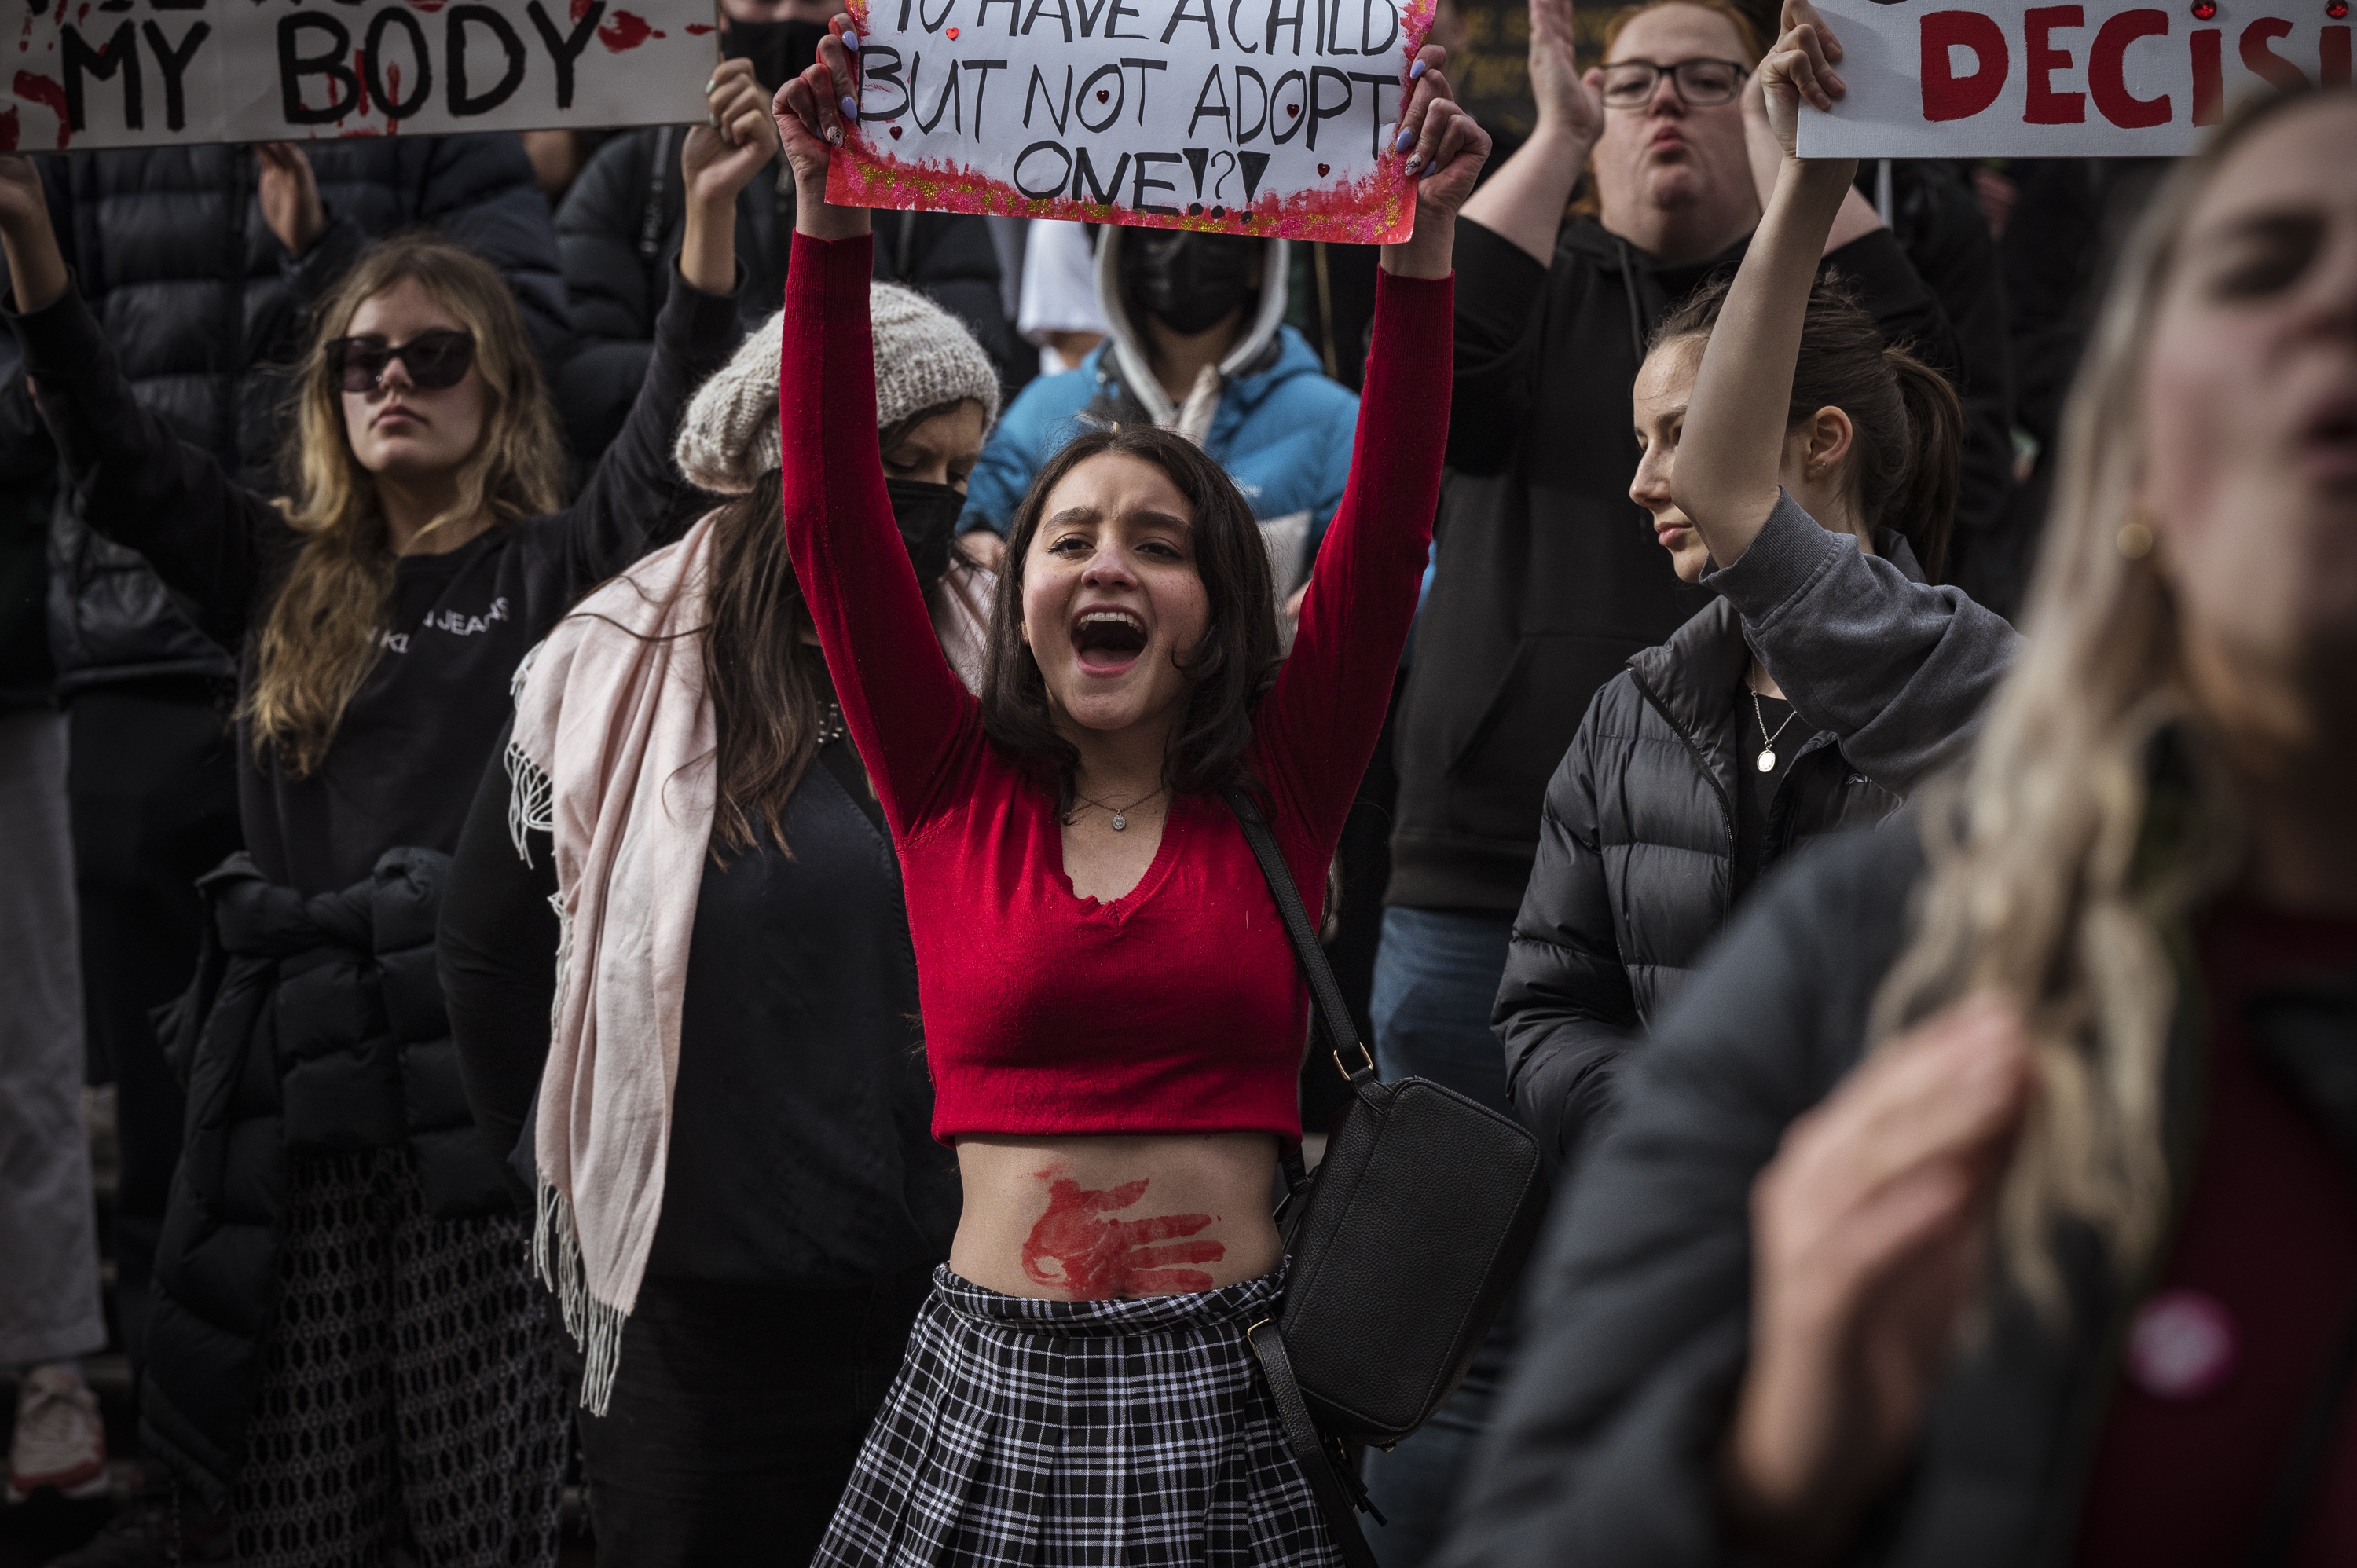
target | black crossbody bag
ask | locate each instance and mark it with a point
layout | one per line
(1400, 1250)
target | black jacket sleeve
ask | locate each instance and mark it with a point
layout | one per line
(614, 281)
(1565, 1010)
(636, 494)
(1605, 1447)
(1947, 241)
(479, 192)
(133, 482)
(1498, 289)
(496, 949)
(1896, 295)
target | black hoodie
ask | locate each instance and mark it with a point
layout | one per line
(1548, 575)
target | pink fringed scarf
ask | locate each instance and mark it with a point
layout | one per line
(613, 757)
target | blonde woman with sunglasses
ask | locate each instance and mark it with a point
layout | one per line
(346, 1347)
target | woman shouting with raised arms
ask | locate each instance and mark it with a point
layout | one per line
(1112, 1011)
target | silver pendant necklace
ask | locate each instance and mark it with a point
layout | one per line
(1120, 813)
(1767, 758)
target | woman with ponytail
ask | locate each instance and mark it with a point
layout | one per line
(1992, 1195)
(1808, 472)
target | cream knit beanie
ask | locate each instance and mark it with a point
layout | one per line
(925, 358)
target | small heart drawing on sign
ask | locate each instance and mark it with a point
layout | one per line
(952, 34)
(1103, 95)
(1323, 169)
(896, 133)
(1294, 110)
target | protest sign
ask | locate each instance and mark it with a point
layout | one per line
(1241, 117)
(2007, 78)
(136, 73)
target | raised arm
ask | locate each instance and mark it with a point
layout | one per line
(904, 706)
(133, 480)
(1316, 729)
(1732, 446)
(636, 486)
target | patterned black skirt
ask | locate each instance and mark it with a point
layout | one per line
(1129, 1434)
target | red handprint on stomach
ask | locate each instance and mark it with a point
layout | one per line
(1071, 1248)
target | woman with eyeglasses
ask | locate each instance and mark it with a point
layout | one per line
(348, 1348)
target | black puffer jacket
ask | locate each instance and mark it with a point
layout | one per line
(315, 1026)
(1606, 1447)
(1635, 873)
(1548, 575)
(620, 227)
(202, 305)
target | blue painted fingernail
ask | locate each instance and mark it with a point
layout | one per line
(1430, 169)
(850, 40)
(850, 111)
(1416, 70)
(1407, 140)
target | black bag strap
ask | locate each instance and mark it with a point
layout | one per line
(1332, 1013)
(1308, 1448)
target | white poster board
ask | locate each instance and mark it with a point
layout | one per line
(2102, 79)
(1237, 116)
(140, 73)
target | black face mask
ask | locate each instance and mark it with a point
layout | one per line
(1189, 282)
(928, 514)
(779, 50)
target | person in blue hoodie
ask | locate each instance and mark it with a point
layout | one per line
(1198, 344)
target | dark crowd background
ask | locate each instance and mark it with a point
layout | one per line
(179, 254)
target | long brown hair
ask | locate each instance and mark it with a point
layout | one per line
(2065, 864)
(1231, 668)
(767, 686)
(325, 628)
(1908, 429)
(767, 683)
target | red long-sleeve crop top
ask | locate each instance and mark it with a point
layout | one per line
(1178, 1006)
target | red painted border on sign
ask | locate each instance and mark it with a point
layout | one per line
(1378, 209)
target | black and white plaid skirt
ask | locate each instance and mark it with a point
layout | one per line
(1130, 1434)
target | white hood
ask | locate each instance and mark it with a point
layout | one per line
(1128, 348)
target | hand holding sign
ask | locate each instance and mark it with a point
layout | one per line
(1449, 148)
(1800, 67)
(810, 121)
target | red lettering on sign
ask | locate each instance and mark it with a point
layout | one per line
(2209, 77)
(2332, 63)
(624, 30)
(1947, 96)
(2046, 106)
(1073, 1249)
(2263, 63)
(2108, 74)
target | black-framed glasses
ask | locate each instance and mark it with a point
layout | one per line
(1699, 83)
(436, 360)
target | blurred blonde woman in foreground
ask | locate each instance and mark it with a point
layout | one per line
(1989, 1198)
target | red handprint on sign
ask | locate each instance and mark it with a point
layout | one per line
(1073, 1249)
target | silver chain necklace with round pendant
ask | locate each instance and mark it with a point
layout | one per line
(1767, 758)
(1120, 813)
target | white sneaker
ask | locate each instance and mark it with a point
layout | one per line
(61, 1441)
